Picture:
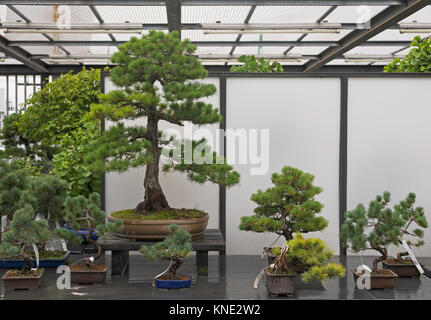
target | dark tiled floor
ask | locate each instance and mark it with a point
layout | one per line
(230, 277)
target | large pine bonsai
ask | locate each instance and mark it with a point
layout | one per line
(158, 73)
(288, 207)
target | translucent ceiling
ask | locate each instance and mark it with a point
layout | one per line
(220, 44)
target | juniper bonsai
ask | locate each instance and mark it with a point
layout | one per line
(175, 247)
(380, 226)
(85, 212)
(159, 74)
(288, 207)
(24, 231)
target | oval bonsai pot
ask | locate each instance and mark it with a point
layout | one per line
(21, 282)
(159, 229)
(43, 263)
(280, 284)
(383, 279)
(403, 268)
(83, 232)
(82, 275)
(174, 284)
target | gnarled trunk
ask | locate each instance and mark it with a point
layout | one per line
(384, 256)
(172, 272)
(154, 199)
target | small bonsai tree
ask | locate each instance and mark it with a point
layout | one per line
(251, 64)
(175, 247)
(85, 212)
(24, 231)
(308, 257)
(417, 60)
(380, 226)
(288, 207)
(159, 74)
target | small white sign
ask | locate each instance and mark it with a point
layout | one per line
(412, 256)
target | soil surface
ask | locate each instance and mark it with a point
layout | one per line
(382, 272)
(167, 277)
(399, 261)
(91, 267)
(45, 254)
(19, 273)
(171, 214)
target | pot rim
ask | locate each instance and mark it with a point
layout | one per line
(6, 277)
(92, 271)
(279, 275)
(166, 280)
(390, 275)
(401, 264)
(161, 222)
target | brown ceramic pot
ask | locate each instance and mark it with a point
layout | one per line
(21, 283)
(88, 276)
(402, 269)
(384, 279)
(280, 284)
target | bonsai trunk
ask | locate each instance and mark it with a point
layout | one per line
(172, 272)
(402, 254)
(27, 259)
(384, 256)
(154, 199)
(90, 263)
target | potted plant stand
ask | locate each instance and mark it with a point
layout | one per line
(380, 279)
(402, 267)
(280, 284)
(14, 280)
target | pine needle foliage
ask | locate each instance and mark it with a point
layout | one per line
(159, 76)
(251, 64)
(380, 226)
(288, 207)
(176, 246)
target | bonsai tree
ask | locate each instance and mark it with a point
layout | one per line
(158, 73)
(288, 207)
(24, 231)
(251, 64)
(380, 226)
(174, 247)
(85, 212)
(308, 257)
(417, 60)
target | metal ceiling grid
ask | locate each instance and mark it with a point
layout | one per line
(287, 14)
(214, 14)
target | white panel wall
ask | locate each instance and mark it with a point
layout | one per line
(302, 115)
(389, 142)
(125, 190)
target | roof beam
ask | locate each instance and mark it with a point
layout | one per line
(21, 55)
(211, 2)
(85, 43)
(100, 19)
(382, 21)
(173, 12)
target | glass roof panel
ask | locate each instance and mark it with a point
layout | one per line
(287, 14)
(213, 14)
(394, 34)
(46, 14)
(26, 37)
(125, 36)
(353, 14)
(423, 15)
(11, 61)
(8, 15)
(326, 36)
(213, 50)
(80, 36)
(343, 62)
(198, 35)
(264, 50)
(373, 50)
(271, 37)
(307, 50)
(133, 14)
(42, 49)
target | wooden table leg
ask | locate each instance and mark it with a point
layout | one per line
(120, 263)
(202, 262)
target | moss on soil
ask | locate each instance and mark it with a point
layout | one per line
(45, 254)
(19, 273)
(171, 214)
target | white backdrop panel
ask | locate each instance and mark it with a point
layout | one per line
(302, 115)
(389, 143)
(125, 190)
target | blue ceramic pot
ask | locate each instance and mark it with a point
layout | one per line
(43, 263)
(83, 232)
(173, 284)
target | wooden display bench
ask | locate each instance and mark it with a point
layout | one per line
(212, 240)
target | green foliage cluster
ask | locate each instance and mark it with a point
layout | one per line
(380, 226)
(251, 64)
(310, 258)
(159, 77)
(417, 60)
(49, 134)
(288, 207)
(44, 193)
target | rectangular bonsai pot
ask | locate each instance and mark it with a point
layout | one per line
(88, 276)
(43, 263)
(280, 284)
(402, 269)
(383, 280)
(21, 283)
